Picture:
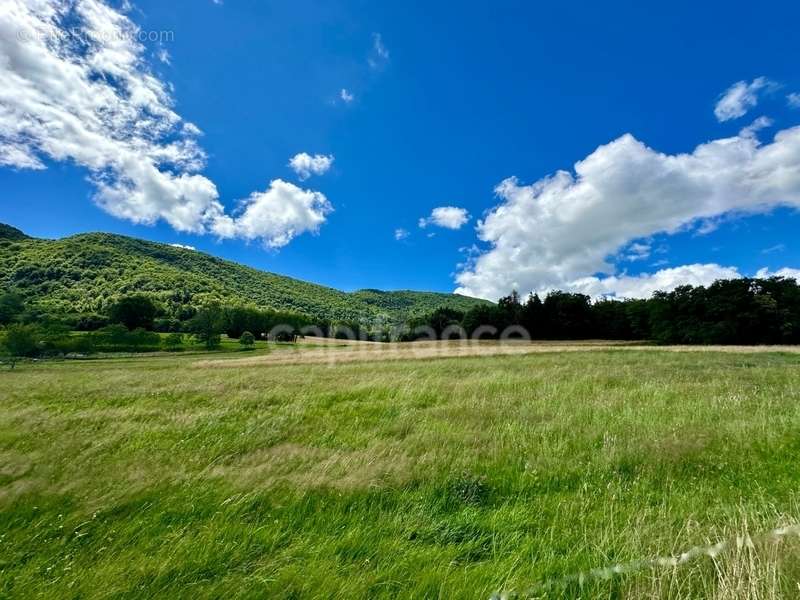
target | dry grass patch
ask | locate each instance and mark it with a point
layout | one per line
(306, 467)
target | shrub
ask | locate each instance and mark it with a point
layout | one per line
(247, 340)
(19, 341)
(173, 342)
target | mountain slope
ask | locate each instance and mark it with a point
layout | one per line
(82, 274)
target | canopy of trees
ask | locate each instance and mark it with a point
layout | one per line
(77, 279)
(737, 311)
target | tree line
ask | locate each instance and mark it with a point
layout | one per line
(734, 311)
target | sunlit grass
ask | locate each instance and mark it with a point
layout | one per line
(146, 476)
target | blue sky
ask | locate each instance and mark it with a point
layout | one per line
(444, 105)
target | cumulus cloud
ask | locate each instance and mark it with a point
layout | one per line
(75, 87)
(793, 100)
(554, 232)
(276, 215)
(740, 98)
(400, 234)
(346, 96)
(306, 165)
(786, 272)
(183, 246)
(449, 217)
(643, 286)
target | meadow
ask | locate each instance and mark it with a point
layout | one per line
(509, 475)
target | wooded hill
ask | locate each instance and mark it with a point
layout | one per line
(83, 274)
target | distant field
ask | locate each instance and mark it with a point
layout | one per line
(280, 475)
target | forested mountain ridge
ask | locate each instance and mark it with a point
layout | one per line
(83, 274)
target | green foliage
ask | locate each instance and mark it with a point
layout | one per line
(208, 324)
(737, 311)
(11, 307)
(86, 274)
(133, 311)
(247, 340)
(261, 321)
(173, 341)
(20, 341)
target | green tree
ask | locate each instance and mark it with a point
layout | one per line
(134, 312)
(18, 341)
(11, 306)
(207, 325)
(247, 340)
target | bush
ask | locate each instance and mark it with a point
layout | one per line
(173, 342)
(20, 341)
(247, 340)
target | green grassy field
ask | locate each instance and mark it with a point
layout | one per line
(453, 478)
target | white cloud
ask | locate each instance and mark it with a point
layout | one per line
(75, 87)
(379, 55)
(793, 100)
(643, 286)
(787, 272)
(306, 165)
(163, 56)
(637, 251)
(564, 227)
(449, 217)
(400, 234)
(183, 246)
(739, 98)
(775, 248)
(276, 215)
(346, 96)
(756, 126)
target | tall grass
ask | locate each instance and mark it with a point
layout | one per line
(451, 478)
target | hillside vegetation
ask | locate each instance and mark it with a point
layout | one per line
(83, 274)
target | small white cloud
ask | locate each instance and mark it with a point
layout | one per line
(756, 126)
(739, 98)
(793, 100)
(191, 129)
(637, 251)
(400, 234)
(775, 248)
(163, 56)
(306, 165)
(379, 55)
(346, 96)
(276, 215)
(183, 246)
(449, 217)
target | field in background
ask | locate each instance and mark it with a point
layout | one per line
(455, 477)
